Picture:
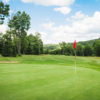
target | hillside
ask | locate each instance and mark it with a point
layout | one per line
(54, 46)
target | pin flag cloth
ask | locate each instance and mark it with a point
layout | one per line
(74, 45)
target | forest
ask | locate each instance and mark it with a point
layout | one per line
(16, 41)
(84, 48)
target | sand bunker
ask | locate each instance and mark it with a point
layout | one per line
(9, 61)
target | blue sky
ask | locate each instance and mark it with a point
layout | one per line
(61, 20)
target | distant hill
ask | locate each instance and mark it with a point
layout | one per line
(90, 42)
(55, 46)
(51, 46)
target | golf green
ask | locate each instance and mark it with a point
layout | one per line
(49, 77)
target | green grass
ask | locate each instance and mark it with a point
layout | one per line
(48, 77)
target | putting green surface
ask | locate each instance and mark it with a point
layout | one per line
(48, 77)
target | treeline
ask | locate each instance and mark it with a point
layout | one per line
(82, 48)
(16, 41)
(30, 44)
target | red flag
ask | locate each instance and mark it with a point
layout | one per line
(74, 45)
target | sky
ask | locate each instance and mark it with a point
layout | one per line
(59, 20)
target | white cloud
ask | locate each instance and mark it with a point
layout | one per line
(78, 16)
(43, 34)
(6, 1)
(63, 5)
(48, 25)
(84, 28)
(51, 2)
(3, 28)
(63, 10)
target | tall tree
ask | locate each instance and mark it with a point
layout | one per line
(20, 23)
(69, 50)
(9, 45)
(63, 47)
(35, 44)
(24, 43)
(4, 12)
(39, 42)
(80, 50)
(97, 48)
(1, 42)
(30, 39)
(88, 50)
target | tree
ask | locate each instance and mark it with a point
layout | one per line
(79, 50)
(1, 42)
(9, 45)
(30, 47)
(24, 43)
(40, 43)
(20, 23)
(63, 47)
(57, 51)
(97, 48)
(41, 46)
(35, 44)
(4, 12)
(88, 50)
(69, 50)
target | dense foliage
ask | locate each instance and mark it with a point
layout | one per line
(20, 23)
(4, 12)
(16, 41)
(87, 48)
(31, 44)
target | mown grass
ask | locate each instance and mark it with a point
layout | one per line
(49, 77)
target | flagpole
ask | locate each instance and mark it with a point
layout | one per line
(75, 61)
(74, 45)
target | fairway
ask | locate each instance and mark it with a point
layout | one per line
(49, 77)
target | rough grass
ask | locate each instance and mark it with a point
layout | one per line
(48, 77)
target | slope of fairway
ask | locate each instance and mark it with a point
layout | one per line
(48, 77)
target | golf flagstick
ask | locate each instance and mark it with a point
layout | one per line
(75, 61)
(74, 45)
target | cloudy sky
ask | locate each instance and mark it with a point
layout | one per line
(60, 20)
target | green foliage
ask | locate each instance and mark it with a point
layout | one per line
(1, 42)
(16, 39)
(9, 46)
(35, 44)
(4, 11)
(51, 46)
(89, 42)
(24, 43)
(97, 48)
(63, 47)
(88, 50)
(80, 50)
(20, 23)
(46, 51)
(69, 50)
(31, 44)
